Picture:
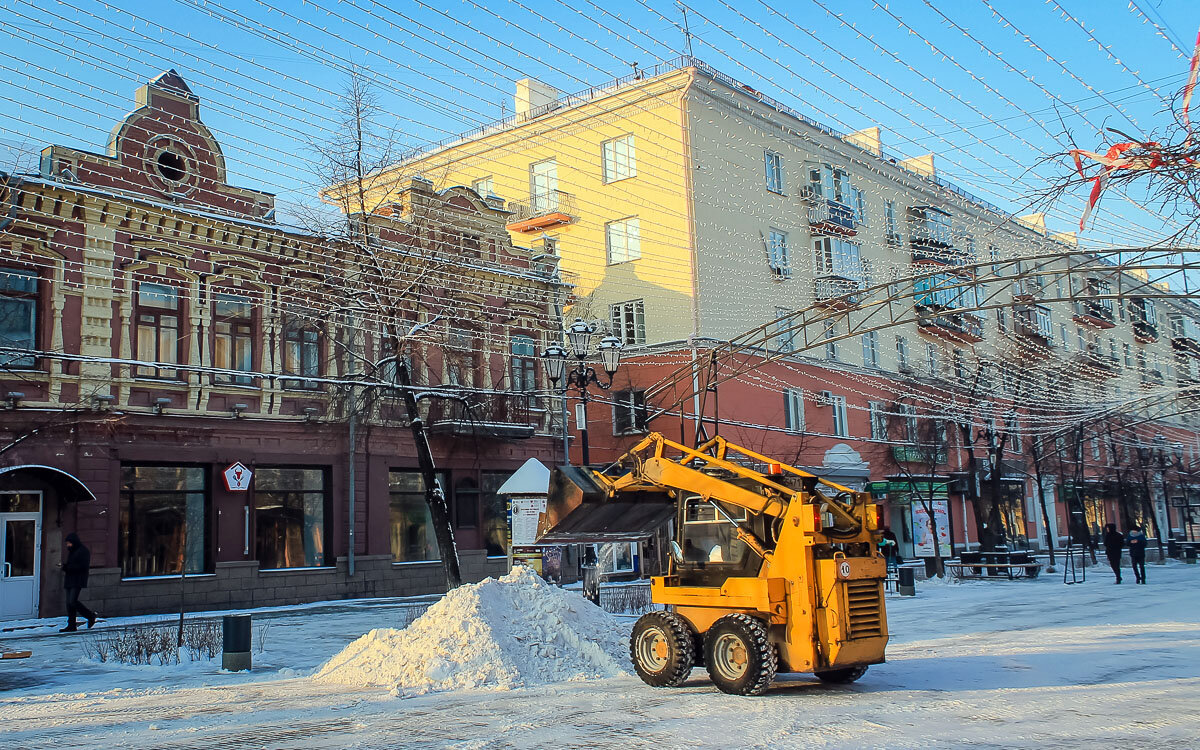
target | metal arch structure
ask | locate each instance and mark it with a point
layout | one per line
(1076, 277)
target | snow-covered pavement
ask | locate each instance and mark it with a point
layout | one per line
(980, 665)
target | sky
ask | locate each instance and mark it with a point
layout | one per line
(991, 87)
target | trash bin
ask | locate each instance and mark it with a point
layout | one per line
(1189, 554)
(235, 656)
(906, 581)
(591, 584)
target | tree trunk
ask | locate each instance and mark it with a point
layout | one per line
(435, 497)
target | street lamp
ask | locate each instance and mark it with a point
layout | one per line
(581, 375)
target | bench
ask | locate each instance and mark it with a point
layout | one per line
(1009, 570)
(12, 653)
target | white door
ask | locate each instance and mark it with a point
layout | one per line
(20, 554)
(543, 186)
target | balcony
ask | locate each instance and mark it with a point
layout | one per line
(1145, 332)
(958, 327)
(1095, 313)
(929, 227)
(836, 292)
(832, 217)
(1027, 289)
(1033, 323)
(1152, 378)
(1095, 359)
(543, 210)
(1185, 335)
(946, 256)
(495, 415)
(919, 454)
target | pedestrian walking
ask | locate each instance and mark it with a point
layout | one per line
(75, 577)
(1136, 541)
(1114, 542)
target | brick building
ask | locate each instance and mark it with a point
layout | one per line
(157, 326)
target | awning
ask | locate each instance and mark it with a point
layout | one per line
(70, 488)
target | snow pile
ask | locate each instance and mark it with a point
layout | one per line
(500, 633)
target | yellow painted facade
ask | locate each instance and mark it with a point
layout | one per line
(657, 195)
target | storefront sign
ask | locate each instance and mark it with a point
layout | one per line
(923, 532)
(237, 477)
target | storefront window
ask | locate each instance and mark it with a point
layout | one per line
(495, 513)
(290, 508)
(164, 520)
(414, 538)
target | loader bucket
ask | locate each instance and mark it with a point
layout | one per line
(579, 511)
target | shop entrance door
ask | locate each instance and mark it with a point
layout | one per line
(20, 554)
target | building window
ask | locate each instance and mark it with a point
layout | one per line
(841, 425)
(879, 425)
(793, 410)
(157, 313)
(1002, 320)
(858, 204)
(908, 413)
(301, 353)
(466, 503)
(902, 353)
(623, 240)
(617, 557)
(870, 349)
(523, 364)
(620, 159)
(774, 167)
(1095, 449)
(290, 508)
(890, 234)
(413, 535)
(1128, 351)
(785, 338)
(777, 254)
(931, 353)
(484, 186)
(233, 342)
(1014, 435)
(18, 316)
(495, 514)
(960, 366)
(831, 347)
(459, 358)
(834, 256)
(164, 520)
(543, 187)
(629, 412)
(629, 321)
(1066, 339)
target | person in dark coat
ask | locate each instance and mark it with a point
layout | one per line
(1114, 542)
(890, 547)
(1136, 541)
(75, 577)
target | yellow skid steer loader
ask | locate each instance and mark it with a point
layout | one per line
(772, 568)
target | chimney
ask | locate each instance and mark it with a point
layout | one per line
(532, 94)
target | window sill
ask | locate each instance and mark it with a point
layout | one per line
(628, 433)
(315, 568)
(777, 192)
(620, 179)
(166, 577)
(238, 386)
(623, 262)
(408, 563)
(159, 381)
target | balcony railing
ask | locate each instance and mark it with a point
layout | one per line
(1145, 332)
(836, 290)
(831, 215)
(956, 326)
(1152, 377)
(948, 256)
(1095, 312)
(542, 210)
(1098, 360)
(502, 415)
(1033, 326)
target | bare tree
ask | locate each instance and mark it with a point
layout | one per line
(918, 456)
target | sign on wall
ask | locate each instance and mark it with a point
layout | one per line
(237, 477)
(923, 531)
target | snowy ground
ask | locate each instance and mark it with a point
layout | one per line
(979, 665)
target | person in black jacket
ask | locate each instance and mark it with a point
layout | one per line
(1136, 541)
(75, 577)
(1114, 542)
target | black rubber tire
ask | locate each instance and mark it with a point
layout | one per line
(842, 676)
(748, 634)
(677, 635)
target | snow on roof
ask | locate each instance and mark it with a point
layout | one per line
(533, 478)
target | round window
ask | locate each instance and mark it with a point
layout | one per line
(171, 166)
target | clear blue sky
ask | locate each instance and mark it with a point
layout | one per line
(268, 73)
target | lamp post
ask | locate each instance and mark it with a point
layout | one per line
(581, 375)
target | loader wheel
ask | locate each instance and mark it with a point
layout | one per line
(842, 676)
(739, 657)
(662, 649)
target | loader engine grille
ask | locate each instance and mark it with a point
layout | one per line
(862, 600)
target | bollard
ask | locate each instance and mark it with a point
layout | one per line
(906, 581)
(591, 584)
(236, 653)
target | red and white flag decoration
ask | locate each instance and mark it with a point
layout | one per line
(1146, 156)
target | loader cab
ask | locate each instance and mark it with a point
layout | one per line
(711, 550)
